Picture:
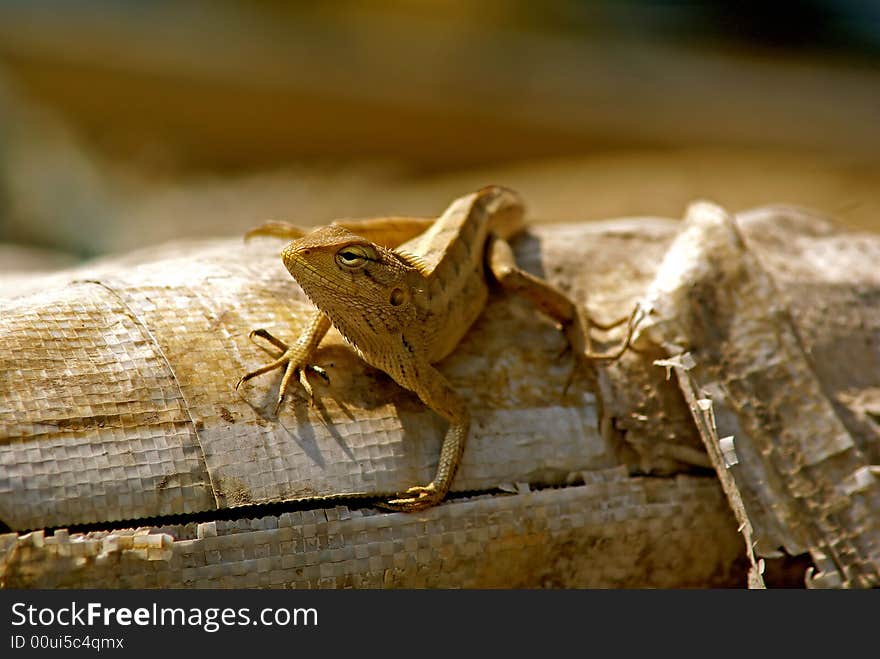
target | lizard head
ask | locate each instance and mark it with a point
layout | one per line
(350, 278)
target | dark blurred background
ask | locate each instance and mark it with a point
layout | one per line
(124, 124)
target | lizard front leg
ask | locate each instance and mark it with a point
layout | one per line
(438, 394)
(293, 359)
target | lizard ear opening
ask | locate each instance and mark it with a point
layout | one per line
(398, 297)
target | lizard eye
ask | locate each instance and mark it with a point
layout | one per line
(354, 256)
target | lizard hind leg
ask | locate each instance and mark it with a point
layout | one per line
(547, 298)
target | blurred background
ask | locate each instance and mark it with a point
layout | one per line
(125, 124)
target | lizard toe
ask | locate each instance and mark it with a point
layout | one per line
(419, 498)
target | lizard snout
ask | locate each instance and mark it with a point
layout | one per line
(292, 253)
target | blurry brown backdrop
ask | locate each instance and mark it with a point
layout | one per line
(124, 124)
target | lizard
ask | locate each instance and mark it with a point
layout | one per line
(403, 291)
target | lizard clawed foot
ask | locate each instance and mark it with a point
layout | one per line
(578, 340)
(290, 359)
(419, 498)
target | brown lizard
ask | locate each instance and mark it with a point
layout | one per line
(403, 291)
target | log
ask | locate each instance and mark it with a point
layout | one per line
(128, 458)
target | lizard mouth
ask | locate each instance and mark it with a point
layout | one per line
(289, 255)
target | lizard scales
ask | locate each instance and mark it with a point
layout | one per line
(426, 292)
(403, 292)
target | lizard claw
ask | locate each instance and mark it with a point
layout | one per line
(567, 347)
(577, 336)
(419, 498)
(290, 361)
(279, 403)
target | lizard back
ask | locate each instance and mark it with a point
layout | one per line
(451, 256)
